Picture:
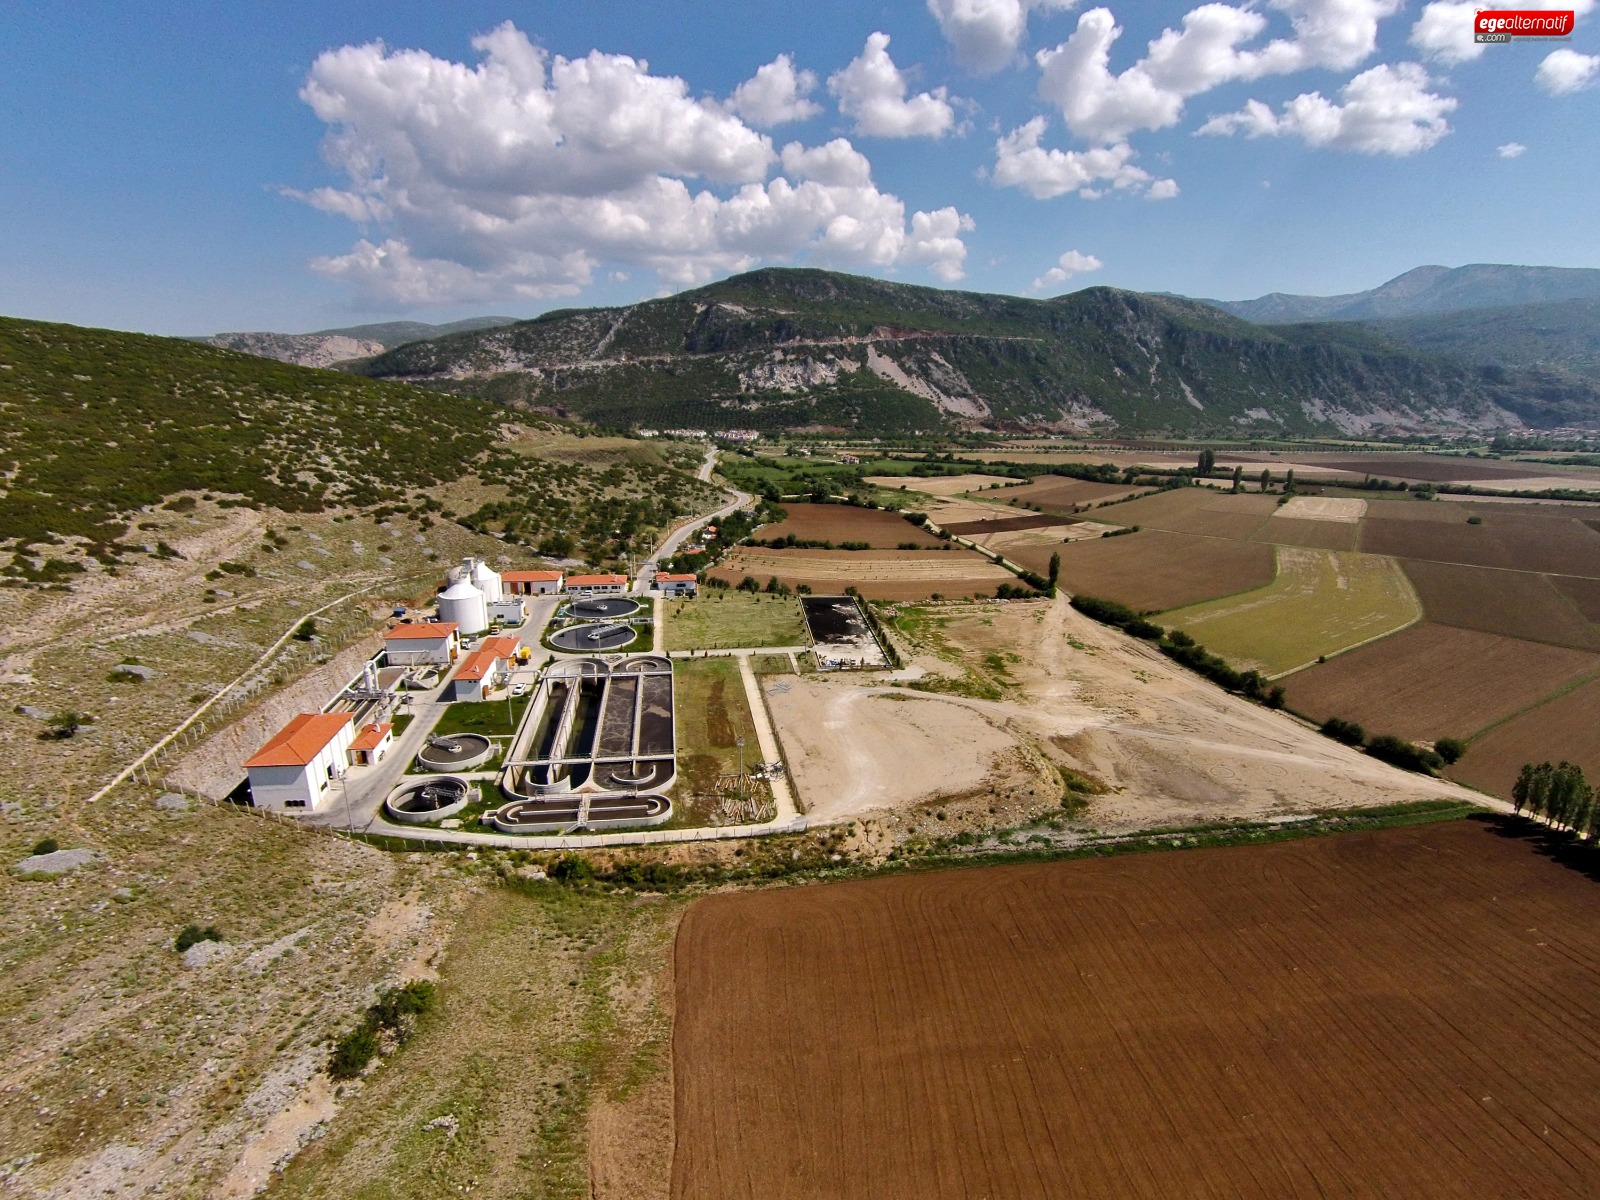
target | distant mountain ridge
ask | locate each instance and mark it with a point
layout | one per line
(798, 349)
(325, 347)
(1426, 291)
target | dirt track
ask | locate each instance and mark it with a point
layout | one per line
(1408, 1013)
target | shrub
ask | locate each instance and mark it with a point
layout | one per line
(352, 1052)
(306, 630)
(123, 675)
(1450, 749)
(193, 935)
(1148, 630)
(1400, 753)
(46, 846)
(1344, 731)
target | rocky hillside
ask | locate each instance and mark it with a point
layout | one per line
(329, 346)
(786, 349)
(1426, 291)
(1561, 335)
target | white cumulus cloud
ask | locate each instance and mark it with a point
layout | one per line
(1069, 264)
(1566, 71)
(871, 91)
(1386, 110)
(1511, 150)
(1211, 48)
(775, 95)
(1444, 31)
(1021, 162)
(524, 174)
(986, 34)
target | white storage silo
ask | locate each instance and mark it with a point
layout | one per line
(484, 579)
(465, 606)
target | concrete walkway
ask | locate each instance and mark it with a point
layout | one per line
(767, 739)
(739, 652)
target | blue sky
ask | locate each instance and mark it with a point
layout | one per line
(190, 168)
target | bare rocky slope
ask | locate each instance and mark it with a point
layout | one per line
(797, 349)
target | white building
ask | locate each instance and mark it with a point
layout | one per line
(486, 668)
(596, 585)
(508, 612)
(295, 768)
(532, 583)
(435, 643)
(677, 585)
(371, 744)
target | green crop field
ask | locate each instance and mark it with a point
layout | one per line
(729, 620)
(1321, 602)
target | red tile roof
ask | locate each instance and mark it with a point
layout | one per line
(371, 737)
(301, 740)
(481, 661)
(675, 578)
(594, 580)
(422, 629)
(530, 576)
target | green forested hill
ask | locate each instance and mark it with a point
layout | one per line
(1563, 335)
(95, 424)
(793, 349)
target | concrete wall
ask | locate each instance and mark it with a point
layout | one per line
(214, 767)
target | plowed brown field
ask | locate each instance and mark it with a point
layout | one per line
(1153, 571)
(1585, 593)
(1558, 545)
(1568, 727)
(1313, 535)
(1056, 493)
(1512, 603)
(1433, 681)
(1195, 510)
(846, 523)
(1003, 524)
(1410, 1013)
(876, 574)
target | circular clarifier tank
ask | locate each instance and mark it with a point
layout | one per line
(423, 801)
(602, 608)
(587, 639)
(455, 752)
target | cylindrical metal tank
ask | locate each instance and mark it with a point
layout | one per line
(486, 580)
(464, 604)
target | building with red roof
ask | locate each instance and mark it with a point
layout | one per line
(296, 766)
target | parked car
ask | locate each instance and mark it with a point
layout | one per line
(519, 689)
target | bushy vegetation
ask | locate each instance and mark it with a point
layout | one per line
(1109, 612)
(96, 424)
(193, 935)
(394, 1014)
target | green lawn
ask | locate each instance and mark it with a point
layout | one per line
(1322, 601)
(712, 713)
(482, 716)
(730, 620)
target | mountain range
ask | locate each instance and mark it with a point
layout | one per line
(1426, 291)
(802, 349)
(328, 346)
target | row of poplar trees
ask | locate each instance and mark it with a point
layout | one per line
(1559, 793)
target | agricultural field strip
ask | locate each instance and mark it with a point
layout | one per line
(954, 1100)
(1299, 594)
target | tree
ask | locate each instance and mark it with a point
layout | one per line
(1266, 479)
(1288, 482)
(1450, 749)
(1207, 464)
(1055, 569)
(1238, 480)
(748, 584)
